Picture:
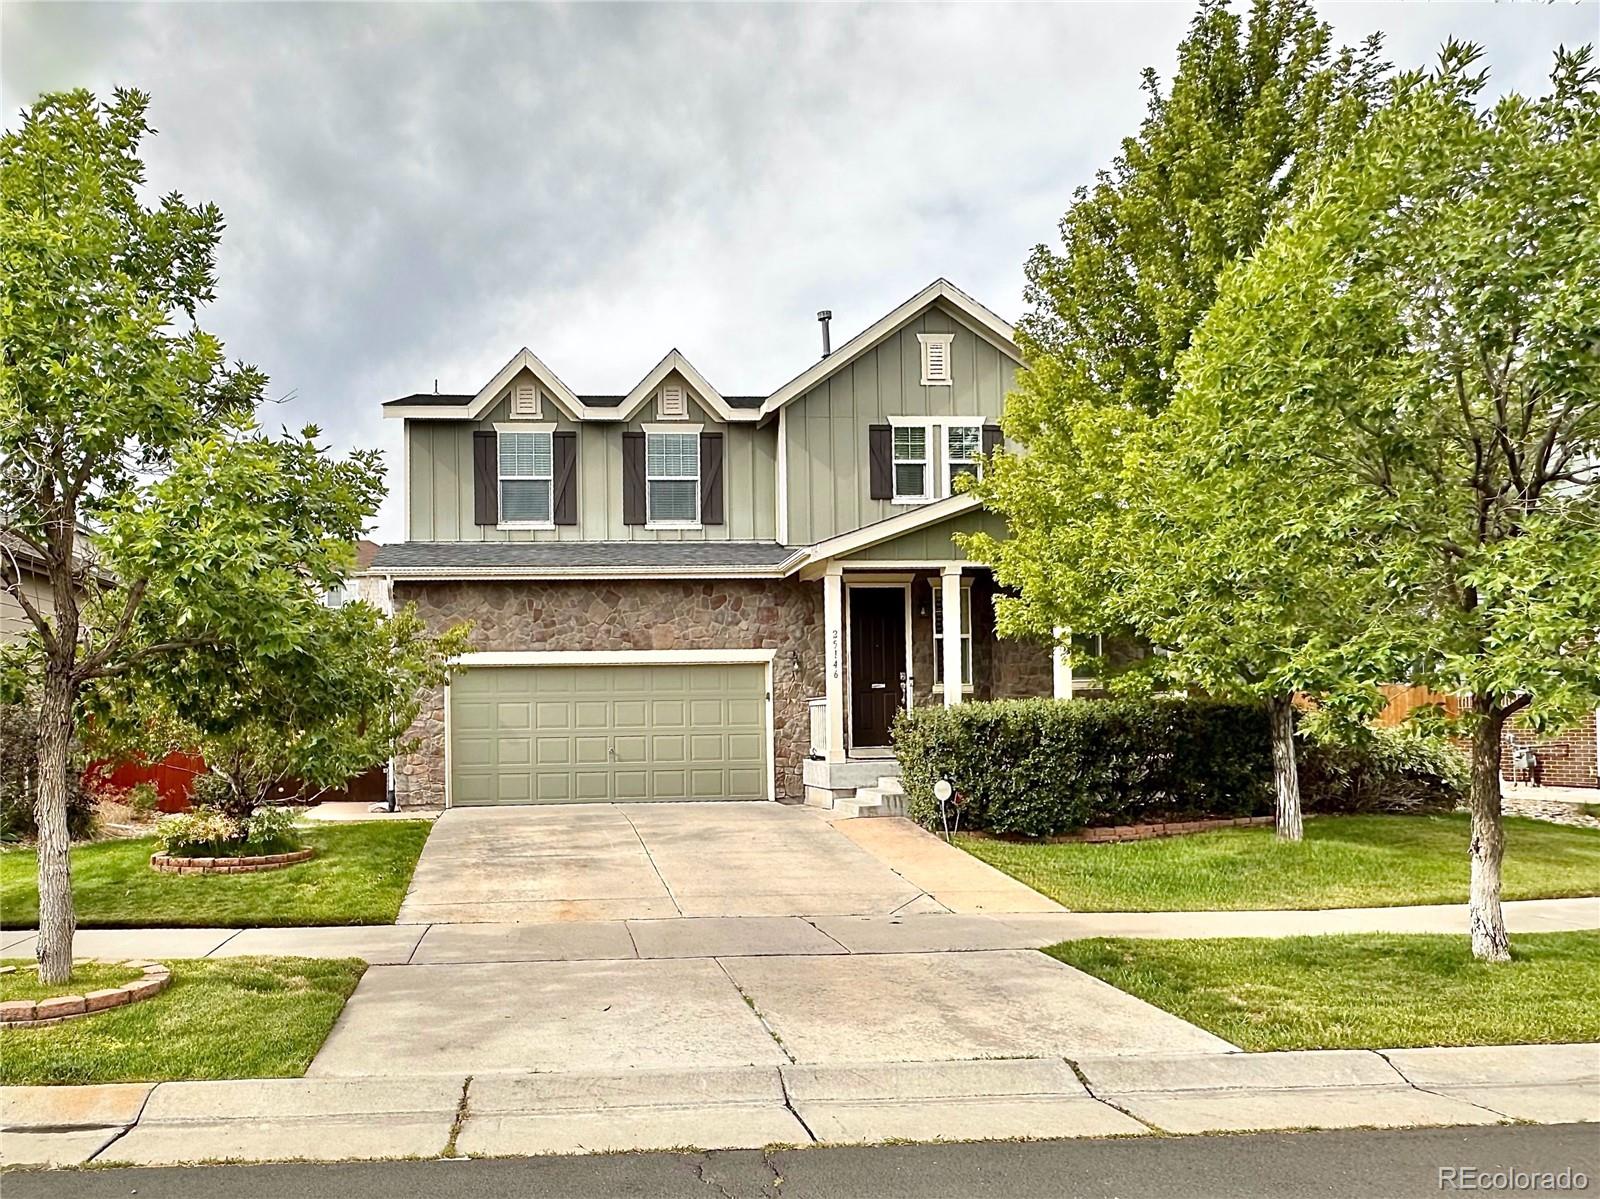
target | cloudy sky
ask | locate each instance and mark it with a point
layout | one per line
(413, 192)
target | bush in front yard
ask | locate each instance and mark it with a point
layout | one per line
(1036, 767)
(212, 833)
(1378, 770)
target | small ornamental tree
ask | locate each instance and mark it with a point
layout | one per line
(107, 387)
(1254, 106)
(1414, 354)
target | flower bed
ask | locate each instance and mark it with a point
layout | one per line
(30, 1013)
(245, 864)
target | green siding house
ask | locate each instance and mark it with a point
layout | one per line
(677, 594)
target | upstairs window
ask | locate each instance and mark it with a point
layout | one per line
(525, 477)
(965, 634)
(672, 478)
(935, 358)
(963, 450)
(910, 463)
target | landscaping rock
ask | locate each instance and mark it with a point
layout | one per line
(61, 1005)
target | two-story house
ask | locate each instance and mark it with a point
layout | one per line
(680, 594)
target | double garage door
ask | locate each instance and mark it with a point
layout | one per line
(565, 734)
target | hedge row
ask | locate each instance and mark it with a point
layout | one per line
(1038, 767)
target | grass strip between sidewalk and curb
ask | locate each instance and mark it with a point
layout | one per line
(359, 876)
(1344, 862)
(247, 1017)
(1361, 991)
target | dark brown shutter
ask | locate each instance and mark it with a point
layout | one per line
(565, 503)
(485, 478)
(993, 439)
(711, 478)
(633, 506)
(880, 462)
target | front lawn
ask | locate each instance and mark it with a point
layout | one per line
(1344, 862)
(359, 876)
(260, 1017)
(1368, 991)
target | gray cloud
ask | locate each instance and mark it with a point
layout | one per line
(415, 191)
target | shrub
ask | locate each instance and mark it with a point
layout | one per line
(212, 833)
(1377, 770)
(1036, 767)
(18, 782)
(143, 798)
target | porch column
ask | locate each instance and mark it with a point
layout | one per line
(950, 602)
(1061, 664)
(833, 657)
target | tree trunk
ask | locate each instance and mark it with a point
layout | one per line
(1488, 846)
(56, 920)
(1285, 779)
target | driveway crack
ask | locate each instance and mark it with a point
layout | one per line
(755, 1011)
(622, 811)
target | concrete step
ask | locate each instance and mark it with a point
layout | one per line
(873, 801)
(890, 784)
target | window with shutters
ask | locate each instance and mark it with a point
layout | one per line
(935, 358)
(526, 476)
(672, 479)
(911, 465)
(965, 633)
(963, 452)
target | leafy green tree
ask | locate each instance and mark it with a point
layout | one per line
(107, 387)
(1413, 354)
(1254, 106)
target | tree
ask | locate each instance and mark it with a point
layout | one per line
(1415, 353)
(1253, 107)
(107, 384)
(344, 702)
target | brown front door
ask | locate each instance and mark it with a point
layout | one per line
(877, 662)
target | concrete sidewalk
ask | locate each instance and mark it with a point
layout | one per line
(767, 936)
(520, 1113)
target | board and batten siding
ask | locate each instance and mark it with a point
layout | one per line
(825, 430)
(14, 622)
(440, 479)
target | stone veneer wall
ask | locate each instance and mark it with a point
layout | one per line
(1002, 667)
(782, 615)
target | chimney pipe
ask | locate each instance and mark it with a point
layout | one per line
(825, 316)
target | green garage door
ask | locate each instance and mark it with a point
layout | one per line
(560, 734)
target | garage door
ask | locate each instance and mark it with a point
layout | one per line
(560, 734)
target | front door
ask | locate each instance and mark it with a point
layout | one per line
(877, 662)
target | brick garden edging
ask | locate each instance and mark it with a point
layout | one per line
(30, 1013)
(1142, 832)
(245, 865)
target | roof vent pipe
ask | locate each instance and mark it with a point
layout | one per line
(825, 316)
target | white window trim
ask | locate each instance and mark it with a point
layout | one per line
(944, 339)
(926, 461)
(677, 429)
(946, 483)
(548, 428)
(938, 638)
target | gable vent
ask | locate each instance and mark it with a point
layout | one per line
(672, 405)
(935, 358)
(526, 400)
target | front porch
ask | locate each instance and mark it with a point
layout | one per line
(886, 649)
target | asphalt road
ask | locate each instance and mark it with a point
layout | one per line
(1367, 1165)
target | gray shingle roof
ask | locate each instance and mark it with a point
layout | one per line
(568, 555)
(426, 399)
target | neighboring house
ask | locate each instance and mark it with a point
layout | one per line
(680, 594)
(21, 570)
(361, 583)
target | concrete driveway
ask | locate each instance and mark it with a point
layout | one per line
(647, 861)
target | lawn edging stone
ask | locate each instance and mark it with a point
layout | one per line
(249, 864)
(30, 1013)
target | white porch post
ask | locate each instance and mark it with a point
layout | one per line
(1061, 664)
(833, 657)
(950, 603)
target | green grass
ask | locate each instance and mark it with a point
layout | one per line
(1344, 861)
(262, 1017)
(359, 876)
(1372, 991)
(23, 982)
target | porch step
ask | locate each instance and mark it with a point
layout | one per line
(888, 798)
